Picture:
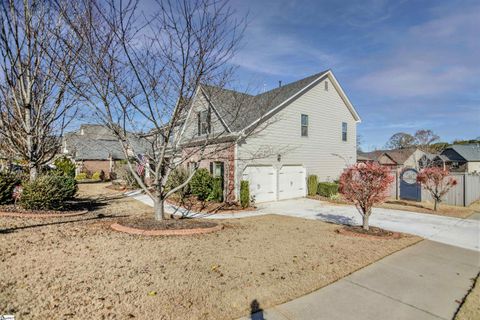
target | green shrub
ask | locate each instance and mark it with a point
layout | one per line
(81, 176)
(176, 178)
(312, 184)
(217, 190)
(327, 189)
(8, 181)
(48, 192)
(97, 176)
(244, 194)
(201, 184)
(65, 167)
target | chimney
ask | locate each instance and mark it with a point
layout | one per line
(279, 83)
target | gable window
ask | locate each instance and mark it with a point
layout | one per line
(344, 131)
(203, 118)
(304, 125)
(326, 85)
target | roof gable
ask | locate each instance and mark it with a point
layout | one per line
(469, 152)
(254, 109)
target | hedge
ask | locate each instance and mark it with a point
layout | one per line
(201, 184)
(244, 194)
(48, 192)
(327, 189)
(312, 184)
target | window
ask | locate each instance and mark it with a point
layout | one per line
(203, 122)
(216, 169)
(344, 131)
(304, 125)
(326, 85)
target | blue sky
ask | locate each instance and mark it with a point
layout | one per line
(405, 65)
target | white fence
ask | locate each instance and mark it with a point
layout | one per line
(463, 194)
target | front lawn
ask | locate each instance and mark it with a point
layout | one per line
(73, 268)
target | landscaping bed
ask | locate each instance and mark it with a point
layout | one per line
(191, 203)
(79, 266)
(374, 232)
(17, 211)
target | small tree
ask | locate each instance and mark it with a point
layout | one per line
(365, 184)
(436, 181)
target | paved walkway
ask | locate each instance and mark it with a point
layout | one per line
(463, 233)
(424, 281)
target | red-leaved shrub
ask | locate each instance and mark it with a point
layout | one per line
(365, 184)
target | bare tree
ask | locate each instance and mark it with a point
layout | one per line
(400, 140)
(36, 71)
(145, 76)
(425, 138)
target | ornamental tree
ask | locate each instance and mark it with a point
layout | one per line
(436, 181)
(365, 184)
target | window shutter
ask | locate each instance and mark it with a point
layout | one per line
(208, 121)
(211, 168)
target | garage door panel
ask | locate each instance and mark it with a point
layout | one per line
(262, 181)
(291, 182)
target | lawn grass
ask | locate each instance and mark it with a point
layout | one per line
(470, 309)
(73, 268)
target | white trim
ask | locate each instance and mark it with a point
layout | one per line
(334, 82)
(235, 172)
(215, 109)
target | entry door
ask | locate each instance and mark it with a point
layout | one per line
(291, 182)
(262, 181)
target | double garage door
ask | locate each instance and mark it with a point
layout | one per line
(269, 184)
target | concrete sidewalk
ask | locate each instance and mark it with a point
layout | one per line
(425, 281)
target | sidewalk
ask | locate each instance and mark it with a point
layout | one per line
(425, 281)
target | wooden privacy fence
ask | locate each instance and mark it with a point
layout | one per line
(463, 194)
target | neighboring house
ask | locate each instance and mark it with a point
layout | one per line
(307, 127)
(94, 148)
(397, 159)
(461, 158)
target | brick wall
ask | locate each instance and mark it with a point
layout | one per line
(223, 153)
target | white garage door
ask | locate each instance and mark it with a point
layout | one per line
(263, 182)
(291, 182)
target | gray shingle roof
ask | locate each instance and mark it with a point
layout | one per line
(230, 103)
(96, 142)
(470, 152)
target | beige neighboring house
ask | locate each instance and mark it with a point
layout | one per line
(309, 128)
(397, 159)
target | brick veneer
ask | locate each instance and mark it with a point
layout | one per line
(225, 155)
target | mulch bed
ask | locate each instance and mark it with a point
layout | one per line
(373, 232)
(172, 224)
(152, 227)
(17, 211)
(193, 204)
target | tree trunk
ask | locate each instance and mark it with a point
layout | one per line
(435, 205)
(33, 173)
(159, 209)
(365, 221)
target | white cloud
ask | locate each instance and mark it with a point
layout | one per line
(439, 56)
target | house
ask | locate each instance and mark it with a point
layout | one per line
(307, 127)
(94, 148)
(397, 159)
(461, 158)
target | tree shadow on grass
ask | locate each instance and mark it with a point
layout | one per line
(99, 216)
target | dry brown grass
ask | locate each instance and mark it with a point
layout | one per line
(426, 207)
(470, 309)
(79, 268)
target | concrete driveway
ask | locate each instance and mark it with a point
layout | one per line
(464, 233)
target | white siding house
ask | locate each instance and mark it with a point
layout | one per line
(303, 128)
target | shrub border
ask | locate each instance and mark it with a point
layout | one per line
(170, 232)
(41, 215)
